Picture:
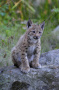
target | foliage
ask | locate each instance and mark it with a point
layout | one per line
(9, 35)
(16, 10)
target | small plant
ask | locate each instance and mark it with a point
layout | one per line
(3, 9)
(56, 10)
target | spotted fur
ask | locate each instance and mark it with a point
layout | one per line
(26, 53)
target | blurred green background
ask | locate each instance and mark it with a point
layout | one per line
(13, 18)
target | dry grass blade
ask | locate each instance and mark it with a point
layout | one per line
(16, 4)
(30, 7)
(24, 2)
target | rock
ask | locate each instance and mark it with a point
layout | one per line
(50, 58)
(46, 78)
(56, 29)
(55, 33)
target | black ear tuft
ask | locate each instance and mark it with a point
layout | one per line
(42, 25)
(29, 23)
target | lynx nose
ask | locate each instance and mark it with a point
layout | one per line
(36, 37)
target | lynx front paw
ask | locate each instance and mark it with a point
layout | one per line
(25, 69)
(35, 65)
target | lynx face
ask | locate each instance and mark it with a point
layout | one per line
(35, 32)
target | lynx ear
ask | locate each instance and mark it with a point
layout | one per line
(29, 23)
(42, 25)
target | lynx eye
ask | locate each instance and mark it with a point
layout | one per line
(33, 31)
(39, 32)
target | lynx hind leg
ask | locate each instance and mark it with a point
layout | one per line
(15, 59)
(16, 63)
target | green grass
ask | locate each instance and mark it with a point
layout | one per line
(49, 40)
(9, 35)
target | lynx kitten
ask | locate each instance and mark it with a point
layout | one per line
(26, 53)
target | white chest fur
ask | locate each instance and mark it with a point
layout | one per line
(31, 49)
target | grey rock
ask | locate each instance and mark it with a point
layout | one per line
(55, 33)
(50, 58)
(56, 29)
(46, 78)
